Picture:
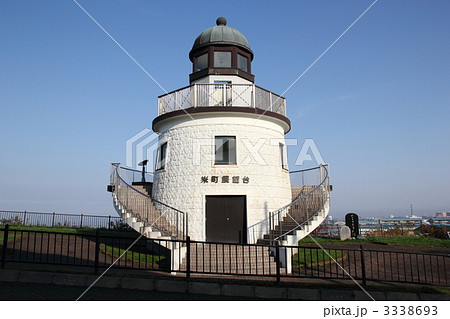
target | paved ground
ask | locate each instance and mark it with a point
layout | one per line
(384, 247)
(13, 291)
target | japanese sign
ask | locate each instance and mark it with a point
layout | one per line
(225, 179)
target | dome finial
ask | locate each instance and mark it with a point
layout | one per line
(221, 21)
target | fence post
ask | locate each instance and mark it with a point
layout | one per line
(53, 220)
(25, 218)
(81, 220)
(363, 266)
(5, 245)
(253, 96)
(270, 101)
(187, 224)
(224, 95)
(109, 222)
(277, 260)
(188, 257)
(97, 249)
(280, 224)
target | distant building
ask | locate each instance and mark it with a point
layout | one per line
(443, 214)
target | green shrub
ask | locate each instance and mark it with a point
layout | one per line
(12, 221)
(433, 231)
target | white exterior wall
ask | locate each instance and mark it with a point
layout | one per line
(179, 184)
(210, 79)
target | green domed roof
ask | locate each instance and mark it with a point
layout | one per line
(221, 34)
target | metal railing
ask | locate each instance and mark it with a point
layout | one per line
(313, 193)
(133, 175)
(236, 95)
(58, 220)
(153, 214)
(99, 250)
(93, 249)
(363, 264)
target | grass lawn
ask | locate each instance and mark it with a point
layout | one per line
(401, 241)
(10, 237)
(70, 230)
(137, 257)
(412, 241)
(307, 257)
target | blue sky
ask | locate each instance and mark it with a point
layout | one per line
(376, 105)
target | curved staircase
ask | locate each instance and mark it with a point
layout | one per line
(144, 214)
(309, 208)
(149, 217)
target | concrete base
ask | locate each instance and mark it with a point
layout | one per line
(207, 288)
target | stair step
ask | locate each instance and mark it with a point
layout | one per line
(138, 211)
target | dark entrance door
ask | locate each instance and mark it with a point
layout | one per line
(226, 219)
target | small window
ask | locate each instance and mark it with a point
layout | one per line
(222, 84)
(222, 59)
(242, 62)
(161, 161)
(225, 152)
(283, 156)
(202, 62)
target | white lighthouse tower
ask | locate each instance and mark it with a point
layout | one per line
(221, 172)
(222, 154)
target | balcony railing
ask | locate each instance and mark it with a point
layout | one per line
(235, 95)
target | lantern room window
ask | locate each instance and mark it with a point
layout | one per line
(242, 62)
(202, 62)
(222, 59)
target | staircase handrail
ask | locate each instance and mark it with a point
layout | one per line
(304, 196)
(278, 211)
(307, 194)
(184, 215)
(137, 174)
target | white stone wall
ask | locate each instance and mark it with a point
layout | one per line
(180, 186)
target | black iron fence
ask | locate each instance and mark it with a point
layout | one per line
(59, 220)
(364, 264)
(99, 250)
(90, 249)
